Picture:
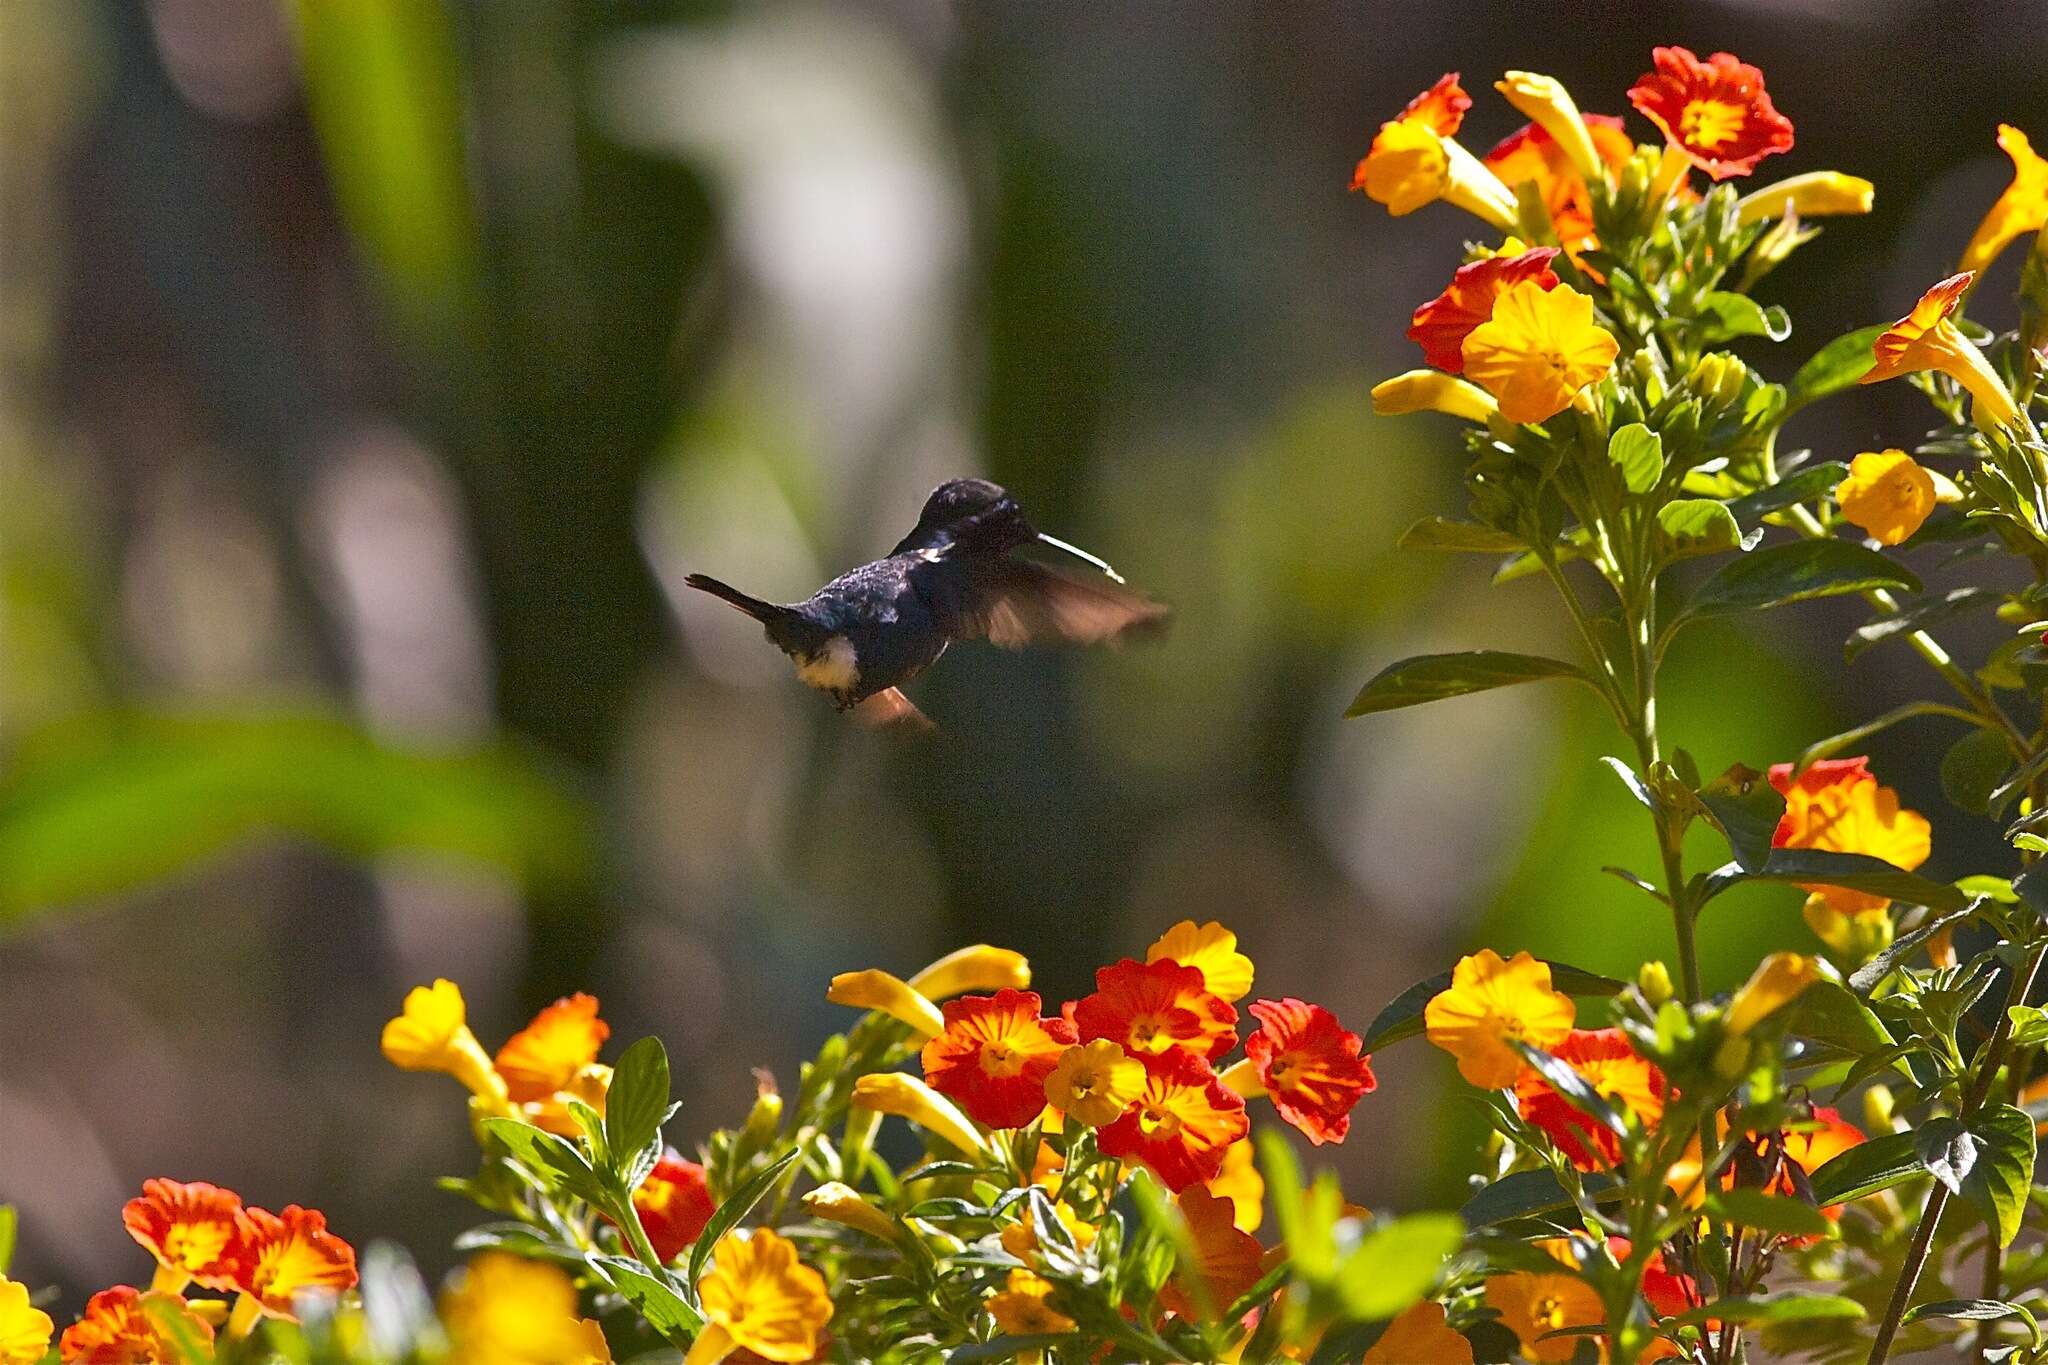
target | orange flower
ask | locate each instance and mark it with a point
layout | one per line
(188, 1229)
(759, 1297)
(1094, 1082)
(1815, 1147)
(1538, 350)
(1927, 339)
(1715, 112)
(1225, 971)
(277, 1256)
(545, 1056)
(1420, 1336)
(1604, 1059)
(1490, 1002)
(1024, 1308)
(118, 1329)
(995, 1055)
(674, 1204)
(1532, 155)
(1531, 1305)
(1441, 108)
(1415, 160)
(1310, 1066)
(1441, 325)
(2023, 208)
(1226, 1259)
(1837, 805)
(1182, 1124)
(24, 1328)
(1149, 1007)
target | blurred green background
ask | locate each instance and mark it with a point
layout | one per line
(374, 370)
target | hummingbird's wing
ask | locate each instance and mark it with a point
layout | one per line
(1013, 603)
(889, 709)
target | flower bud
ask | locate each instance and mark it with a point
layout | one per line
(975, 968)
(1648, 376)
(890, 995)
(1718, 378)
(1653, 979)
(839, 1203)
(1547, 104)
(1432, 391)
(1777, 982)
(893, 1092)
(764, 1120)
(1813, 195)
(1879, 1110)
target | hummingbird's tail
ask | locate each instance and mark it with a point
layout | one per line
(764, 612)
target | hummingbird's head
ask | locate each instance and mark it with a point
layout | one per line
(977, 511)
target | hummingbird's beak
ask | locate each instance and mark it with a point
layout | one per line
(1081, 554)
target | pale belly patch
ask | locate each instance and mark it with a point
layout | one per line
(833, 668)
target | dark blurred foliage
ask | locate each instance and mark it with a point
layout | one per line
(373, 368)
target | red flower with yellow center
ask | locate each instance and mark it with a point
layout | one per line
(118, 1329)
(674, 1204)
(1606, 1062)
(1441, 325)
(1226, 1259)
(277, 1256)
(1531, 155)
(1837, 805)
(1310, 1066)
(187, 1227)
(994, 1055)
(1150, 1007)
(1182, 1124)
(1716, 112)
(546, 1055)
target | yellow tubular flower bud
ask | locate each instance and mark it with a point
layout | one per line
(979, 969)
(1654, 981)
(877, 990)
(1776, 982)
(892, 1092)
(1432, 391)
(431, 1033)
(1817, 194)
(1243, 1078)
(1547, 104)
(838, 1203)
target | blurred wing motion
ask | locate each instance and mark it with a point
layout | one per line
(889, 709)
(1014, 602)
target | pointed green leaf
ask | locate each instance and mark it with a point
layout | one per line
(1866, 1168)
(1834, 367)
(1996, 1184)
(1396, 1263)
(1855, 871)
(1921, 614)
(737, 1205)
(654, 1294)
(1433, 677)
(1526, 1194)
(1976, 1310)
(1442, 533)
(1809, 484)
(1725, 316)
(1744, 806)
(1639, 452)
(1770, 1213)
(636, 1104)
(1697, 526)
(1402, 1017)
(1793, 572)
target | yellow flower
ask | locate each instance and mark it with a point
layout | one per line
(839, 1203)
(1857, 936)
(759, 1297)
(1094, 1082)
(1533, 1305)
(1927, 339)
(1547, 104)
(1020, 1241)
(1432, 391)
(977, 968)
(1817, 194)
(1240, 1183)
(1023, 1309)
(432, 1034)
(1886, 494)
(1540, 347)
(1776, 982)
(2023, 208)
(1420, 1336)
(1411, 164)
(25, 1330)
(507, 1310)
(877, 990)
(893, 1092)
(1490, 1002)
(1212, 949)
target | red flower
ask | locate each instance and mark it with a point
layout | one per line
(546, 1055)
(1604, 1059)
(1310, 1066)
(1182, 1124)
(1441, 325)
(1150, 1007)
(117, 1329)
(1716, 112)
(277, 1256)
(994, 1055)
(187, 1227)
(674, 1204)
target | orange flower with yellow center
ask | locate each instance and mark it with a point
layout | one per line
(1491, 1002)
(1927, 339)
(1182, 1123)
(1716, 113)
(1149, 1007)
(1094, 1082)
(277, 1256)
(547, 1054)
(431, 1033)
(1226, 1258)
(1606, 1062)
(119, 1327)
(1024, 1308)
(1531, 1305)
(507, 1310)
(1441, 325)
(674, 1204)
(188, 1228)
(1310, 1067)
(1416, 160)
(994, 1056)
(2023, 208)
(1420, 1336)
(1837, 805)
(1887, 494)
(1538, 350)
(1212, 950)
(759, 1297)
(1530, 155)
(24, 1328)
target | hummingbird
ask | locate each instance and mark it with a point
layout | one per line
(957, 576)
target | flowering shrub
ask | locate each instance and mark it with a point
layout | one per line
(1670, 1175)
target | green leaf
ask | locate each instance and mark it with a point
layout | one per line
(1572, 1088)
(737, 1205)
(636, 1104)
(1697, 526)
(1639, 452)
(554, 1161)
(655, 1295)
(1396, 1263)
(1790, 1307)
(1849, 739)
(1976, 1310)
(10, 1223)
(2018, 782)
(1854, 871)
(1971, 769)
(1834, 367)
(1829, 1013)
(1402, 1017)
(1724, 316)
(1867, 977)
(1923, 613)
(1526, 1194)
(1990, 1163)
(1770, 1213)
(1433, 677)
(1793, 572)
(1866, 1168)
(1744, 806)
(1469, 537)
(2029, 1026)
(1810, 484)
